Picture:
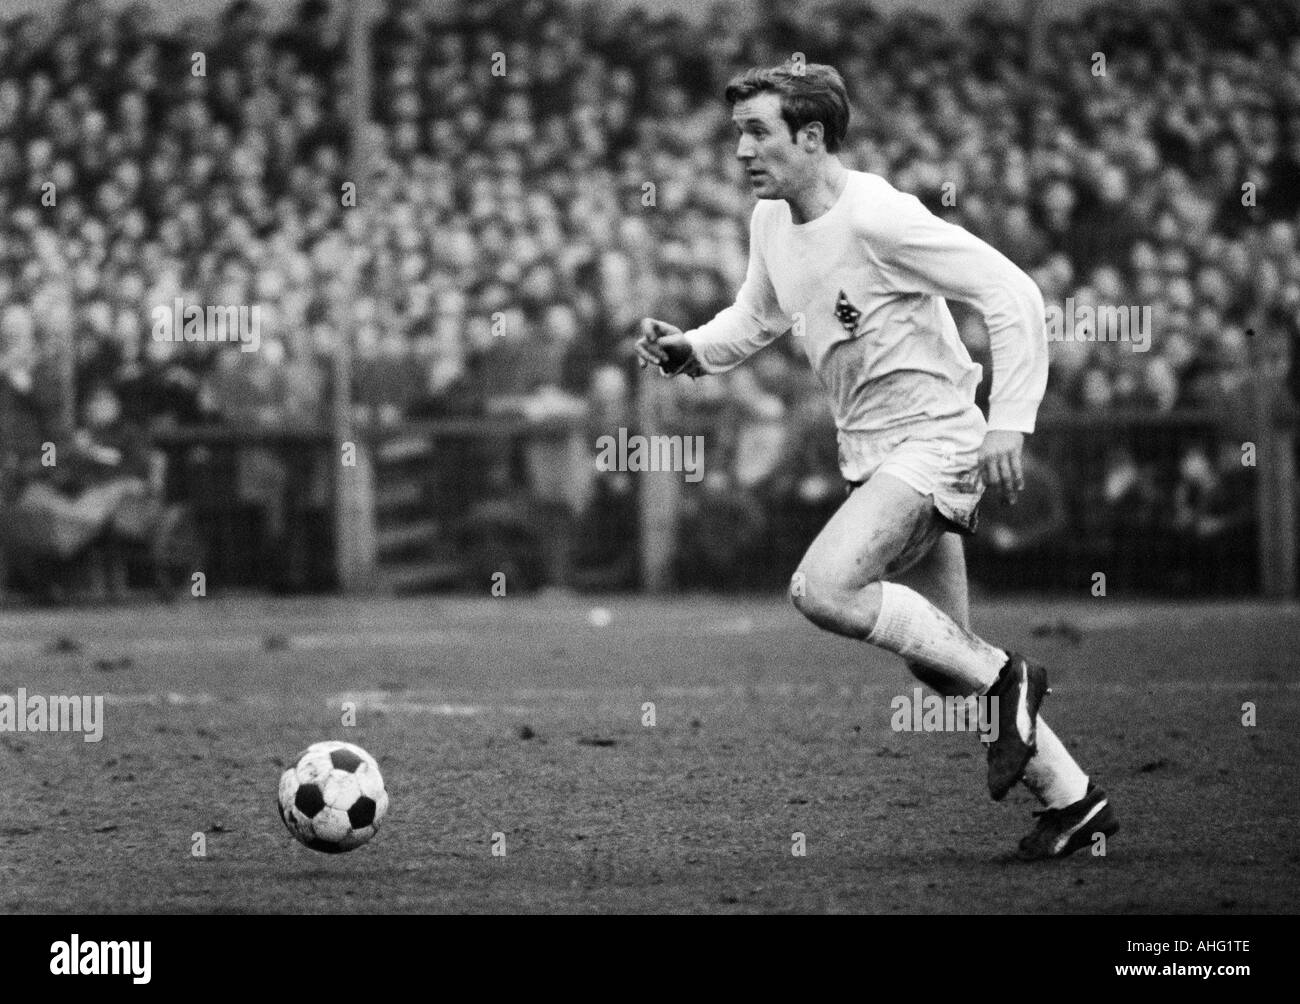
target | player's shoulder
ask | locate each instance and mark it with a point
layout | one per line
(880, 210)
(870, 184)
(877, 197)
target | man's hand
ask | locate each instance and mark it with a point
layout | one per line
(664, 345)
(999, 463)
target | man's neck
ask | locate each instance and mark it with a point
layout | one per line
(823, 193)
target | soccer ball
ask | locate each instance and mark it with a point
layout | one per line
(333, 798)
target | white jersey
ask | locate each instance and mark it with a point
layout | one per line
(863, 287)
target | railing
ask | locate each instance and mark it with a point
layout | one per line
(270, 497)
(273, 493)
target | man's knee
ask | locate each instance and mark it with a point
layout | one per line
(844, 609)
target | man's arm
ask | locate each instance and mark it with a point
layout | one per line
(928, 255)
(735, 334)
(933, 256)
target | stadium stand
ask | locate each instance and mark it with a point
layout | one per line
(519, 222)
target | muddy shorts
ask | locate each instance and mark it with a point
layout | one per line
(939, 460)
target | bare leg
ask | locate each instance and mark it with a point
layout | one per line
(884, 529)
(883, 526)
(1053, 775)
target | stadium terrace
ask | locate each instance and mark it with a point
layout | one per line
(1099, 324)
(651, 453)
(211, 324)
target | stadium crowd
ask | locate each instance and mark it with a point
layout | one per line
(540, 175)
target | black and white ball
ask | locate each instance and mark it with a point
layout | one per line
(333, 798)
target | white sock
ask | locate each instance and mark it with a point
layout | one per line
(1052, 774)
(911, 626)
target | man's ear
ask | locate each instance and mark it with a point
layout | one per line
(814, 135)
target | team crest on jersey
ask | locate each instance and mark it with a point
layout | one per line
(847, 314)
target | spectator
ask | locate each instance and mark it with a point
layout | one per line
(527, 165)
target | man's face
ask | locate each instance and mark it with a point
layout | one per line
(776, 165)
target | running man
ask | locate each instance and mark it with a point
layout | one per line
(860, 271)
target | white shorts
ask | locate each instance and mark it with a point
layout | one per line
(937, 459)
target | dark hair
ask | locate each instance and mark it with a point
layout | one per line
(809, 92)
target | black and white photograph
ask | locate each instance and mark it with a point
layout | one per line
(651, 457)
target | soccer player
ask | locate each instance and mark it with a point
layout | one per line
(860, 272)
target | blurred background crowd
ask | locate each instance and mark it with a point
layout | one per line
(541, 174)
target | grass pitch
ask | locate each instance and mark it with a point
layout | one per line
(524, 719)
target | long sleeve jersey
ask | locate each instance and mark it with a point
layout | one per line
(863, 287)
